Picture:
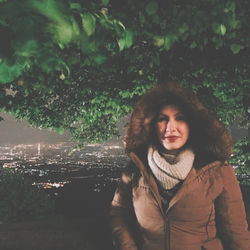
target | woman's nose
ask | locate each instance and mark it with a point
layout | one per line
(171, 126)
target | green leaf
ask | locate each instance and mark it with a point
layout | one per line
(236, 48)
(99, 59)
(75, 27)
(63, 33)
(183, 28)
(158, 41)
(105, 2)
(219, 29)
(9, 72)
(151, 8)
(128, 38)
(223, 29)
(75, 6)
(49, 62)
(51, 9)
(26, 49)
(230, 6)
(169, 41)
(121, 43)
(218, 41)
(193, 45)
(88, 23)
(234, 23)
(36, 111)
(126, 41)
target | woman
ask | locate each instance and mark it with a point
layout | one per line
(178, 192)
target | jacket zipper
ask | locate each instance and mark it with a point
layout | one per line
(166, 223)
(165, 219)
(165, 235)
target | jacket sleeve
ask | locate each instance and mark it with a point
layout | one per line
(230, 212)
(122, 216)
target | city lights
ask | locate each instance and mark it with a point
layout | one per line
(53, 166)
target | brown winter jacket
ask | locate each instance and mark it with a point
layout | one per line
(206, 213)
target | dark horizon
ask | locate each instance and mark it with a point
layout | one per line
(21, 132)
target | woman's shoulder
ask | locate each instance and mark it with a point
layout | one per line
(206, 160)
(227, 171)
(218, 170)
(130, 172)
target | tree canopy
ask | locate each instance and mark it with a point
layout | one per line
(81, 65)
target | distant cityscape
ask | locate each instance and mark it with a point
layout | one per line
(54, 165)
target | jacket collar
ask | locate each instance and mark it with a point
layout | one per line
(185, 187)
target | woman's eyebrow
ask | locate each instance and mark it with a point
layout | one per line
(179, 113)
(176, 114)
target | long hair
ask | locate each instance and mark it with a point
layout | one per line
(208, 137)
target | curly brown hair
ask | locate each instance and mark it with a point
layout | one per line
(208, 137)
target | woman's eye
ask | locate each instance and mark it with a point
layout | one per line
(180, 118)
(160, 119)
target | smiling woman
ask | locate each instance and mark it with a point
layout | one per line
(172, 129)
(178, 191)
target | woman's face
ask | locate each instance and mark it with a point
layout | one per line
(172, 128)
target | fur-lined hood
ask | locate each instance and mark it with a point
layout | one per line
(208, 136)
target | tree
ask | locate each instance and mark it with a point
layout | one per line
(81, 65)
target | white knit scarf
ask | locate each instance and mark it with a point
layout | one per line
(169, 172)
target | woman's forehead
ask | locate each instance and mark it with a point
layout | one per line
(170, 109)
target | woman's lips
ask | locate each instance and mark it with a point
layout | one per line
(171, 138)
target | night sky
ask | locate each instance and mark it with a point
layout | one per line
(20, 132)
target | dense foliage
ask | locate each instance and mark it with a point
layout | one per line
(21, 200)
(241, 159)
(81, 65)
